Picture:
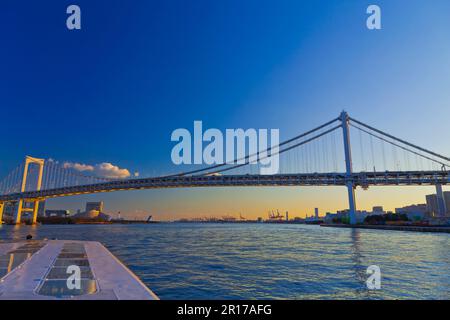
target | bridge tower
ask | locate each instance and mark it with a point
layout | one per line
(348, 167)
(29, 160)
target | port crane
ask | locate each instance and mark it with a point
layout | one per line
(272, 215)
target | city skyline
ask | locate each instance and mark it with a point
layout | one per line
(247, 208)
(306, 66)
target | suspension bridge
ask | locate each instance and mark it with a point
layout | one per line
(323, 156)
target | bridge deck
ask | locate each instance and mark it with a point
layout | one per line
(363, 179)
(37, 270)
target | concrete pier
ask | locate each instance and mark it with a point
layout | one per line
(439, 229)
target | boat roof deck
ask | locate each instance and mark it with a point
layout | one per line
(45, 270)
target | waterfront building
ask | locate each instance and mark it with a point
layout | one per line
(94, 210)
(360, 215)
(92, 214)
(378, 210)
(97, 206)
(41, 208)
(57, 213)
(414, 212)
(442, 211)
(331, 217)
(447, 201)
(10, 208)
(432, 204)
(314, 218)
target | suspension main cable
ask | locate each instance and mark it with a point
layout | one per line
(399, 146)
(280, 151)
(256, 154)
(400, 140)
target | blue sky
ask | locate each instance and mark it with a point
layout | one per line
(116, 89)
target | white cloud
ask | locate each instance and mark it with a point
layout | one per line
(105, 170)
(78, 166)
(108, 170)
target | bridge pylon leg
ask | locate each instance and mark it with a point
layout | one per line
(18, 213)
(348, 167)
(35, 211)
(351, 203)
(2, 206)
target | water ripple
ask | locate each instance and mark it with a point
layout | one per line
(268, 261)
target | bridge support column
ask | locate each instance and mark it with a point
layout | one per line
(351, 203)
(349, 168)
(18, 212)
(35, 211)
(2, 206)
(442, 210)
